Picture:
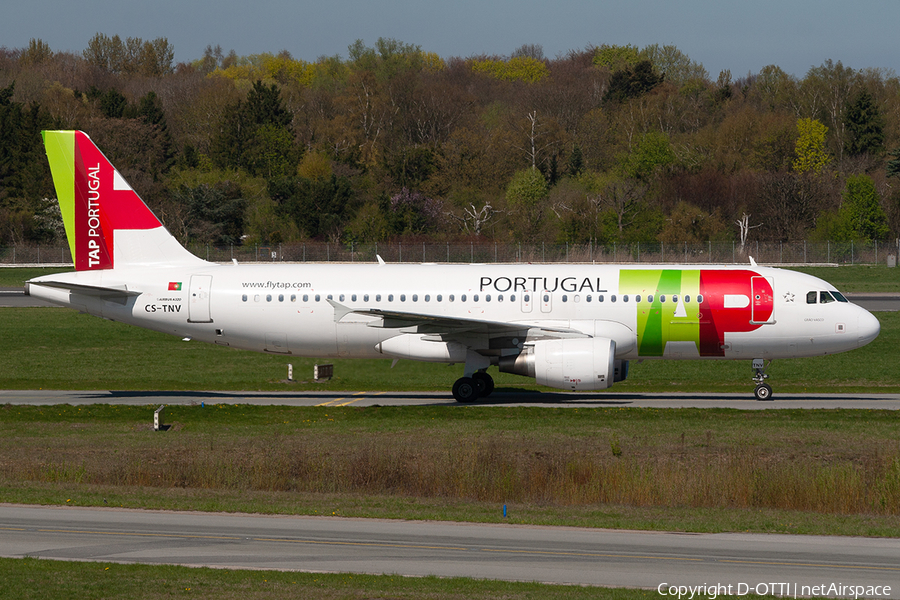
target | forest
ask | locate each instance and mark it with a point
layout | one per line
(600, 145)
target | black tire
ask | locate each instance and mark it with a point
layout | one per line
(763, 392)
(484, 383)
(465, 390)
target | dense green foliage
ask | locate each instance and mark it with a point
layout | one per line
(396, 142)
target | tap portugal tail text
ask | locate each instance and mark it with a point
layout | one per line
(569, 326)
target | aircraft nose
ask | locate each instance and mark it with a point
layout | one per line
(868, 327)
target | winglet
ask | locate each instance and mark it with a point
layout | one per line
(380, 260)
(753, 262)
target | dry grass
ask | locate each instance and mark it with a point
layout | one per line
(659, 459)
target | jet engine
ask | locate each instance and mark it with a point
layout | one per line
(569, 364)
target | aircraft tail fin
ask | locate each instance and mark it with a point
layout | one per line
(107, 224)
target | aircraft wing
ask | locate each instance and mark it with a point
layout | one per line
(450, 327)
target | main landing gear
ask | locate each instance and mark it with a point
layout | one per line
(470, 389)
(763, 390)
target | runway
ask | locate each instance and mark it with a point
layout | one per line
(415, 548)
(500, 398)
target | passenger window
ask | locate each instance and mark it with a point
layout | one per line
(811, 297)
(329, 297)
(341, 298)
(825, 298)
(440, 298)
(365, 297)
(565, 298)
(500, 298)
(451, 298)
(353, 297)
(462, 298)
(402, 297)
(612, 298)
(600, 298)
(268, 297)
(546, 297)
(256, 298)
(487, 298)
(415, 297)
(587, 298)
(293, 297)
(650, 298)
(281, 297)
(318, 297)
(675, 298)
(244, 297)
(306, 297)
(577, 298)
(687, 299)
(527, 298)
(377, 297)
(699, 298)
(390, 297)
(662, 297)
(637, 298)
(427, 298)
(625, 298)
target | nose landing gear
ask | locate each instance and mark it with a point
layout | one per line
(763, 390)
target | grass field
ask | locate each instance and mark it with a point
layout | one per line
(31, 579)
(787, 471)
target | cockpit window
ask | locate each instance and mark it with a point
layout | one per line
(825, 297)
(811, 297)
(839, 296)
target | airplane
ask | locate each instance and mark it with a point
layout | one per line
(568, 326)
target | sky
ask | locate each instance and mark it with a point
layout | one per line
(742, 37)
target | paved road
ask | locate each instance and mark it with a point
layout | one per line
(415, 548)
(499, 398)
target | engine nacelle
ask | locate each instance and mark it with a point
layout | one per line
(568, 364)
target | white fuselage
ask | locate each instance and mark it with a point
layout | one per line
(285, 308)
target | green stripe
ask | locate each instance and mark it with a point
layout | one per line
(60, 147)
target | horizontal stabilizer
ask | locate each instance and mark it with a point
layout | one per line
(113, 292)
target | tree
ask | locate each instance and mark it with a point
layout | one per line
(651, 151)
(414, 213)
(214, 214)
(526, 195)
(255, 134)
(810, 147)
(892, 169)
(865, 125)
(632, 82)
(675, 65)
(862, 211)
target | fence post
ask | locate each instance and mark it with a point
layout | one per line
(851, 252)
(448, 252)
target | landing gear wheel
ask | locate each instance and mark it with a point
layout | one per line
(763, 392)
(465, 390)
(484, 383)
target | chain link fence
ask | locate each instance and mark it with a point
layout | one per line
(813, 253)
